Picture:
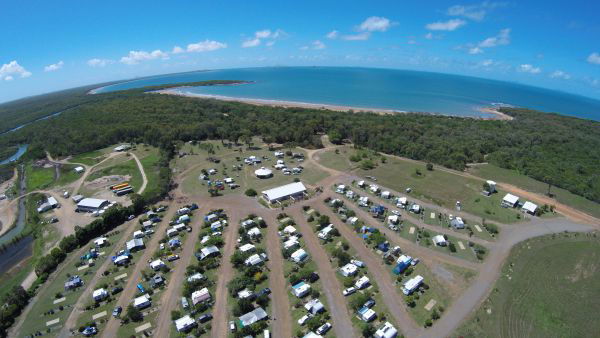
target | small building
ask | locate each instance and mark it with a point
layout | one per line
(157, 264)
(393, 219)
(415, 208)
(509, 201)
(185, 323)
(324, 233)
(156, 281)
(91, 204)
(252, 317)
(314, 306)
(135, 244)
(352, 220)
(362, 282)
(363, 201)
(492, 186)
(350, 194)
(340, 189)
(210, 251)
(201, 295)
(348, 270)
(386, 331)
(142, 302)
(301, 289)
(79, 169)
(374, 188)
(245, 294)
(299, 256)
(530, 208)
(44, 207)
(412, 284)
(439, 240)
(138, 234)
(289, 230)
(247, 248)
(73, 283)
(253, 260)
(122, 147)
(457, 223)
(366, 314)
(361, 184)
(99, 295)
(254, 233)
(289, 191)
(263, 173)
(121, 260)
(247, 223)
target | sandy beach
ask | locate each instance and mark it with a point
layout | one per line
(293, 104)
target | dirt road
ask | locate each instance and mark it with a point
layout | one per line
(135, 276)
(141, 168)
(170, 298)
(392, 299)
(225, 273)
(127, 230)
(332, 289)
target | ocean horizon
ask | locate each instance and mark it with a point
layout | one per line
(376, 88)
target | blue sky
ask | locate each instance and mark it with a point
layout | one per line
(51, 45)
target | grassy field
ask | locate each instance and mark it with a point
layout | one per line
(196, 161)
(67, 175)
(38, 178)
(437, 186)
(492, 172)
(548, 288)
(89, 158)
(124, 166)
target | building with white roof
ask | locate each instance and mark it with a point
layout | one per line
(530, 207)
(99, 294)
(367, 314)
(439, 240)
(401, 201)
(457, 223)
(91, 204)
(412, 284)
(247, 247)
(324, 233)
(386, 194)
(135, 244)
(386, 331)
(252, 317)
(195, 277)
(362, 282)
(393, 219)
(291, 243)
(209, 251)
(301, 289)
(142, 302)
(290, 230)
(157, 264)
(254, 232)
(253, 260)
(201, 295)
(101, 241)
(348, 270)
(299, 255)
(492, 186)
(292, 190)
(185, 323)
(263, 173)
(314, 306)
(79, 169)
(340, 189)
(510, 201)
(363, 201)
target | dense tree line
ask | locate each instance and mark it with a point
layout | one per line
(559, 150)
(13, 304)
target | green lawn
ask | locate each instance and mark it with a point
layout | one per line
(125, 166)
(89, 158)
(67, 175)
(489, 171)
(548, 288)
(38, 178)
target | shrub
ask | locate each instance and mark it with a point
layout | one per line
(250, 192)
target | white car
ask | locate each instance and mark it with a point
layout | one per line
(303, 319)
(323, 328)
(162, 246)
(396, 212)
(358, 263)
(349, 291)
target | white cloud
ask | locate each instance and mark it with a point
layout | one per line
(474, 12)
(13, 68)
(475, 50)
(251, 43)
(527, 68)
(357, 37)
(318, 45)
(134, 57)
(429, 36)
(503, 38)
(54, 67)
(205, 46)
(263, 35)
(332, 35)
(99, 62)
(375, 24)
(594, 58)
(178, 50)
(449, 25)
(486, 63)
(559, 74)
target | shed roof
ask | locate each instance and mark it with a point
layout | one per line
(91, 203)
(284, 191)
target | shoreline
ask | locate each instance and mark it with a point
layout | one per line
(496, 115)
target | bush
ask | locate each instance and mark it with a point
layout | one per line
(250, 192)
(134, 314)
(429, 166)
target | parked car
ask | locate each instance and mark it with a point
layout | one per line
(171, 258)
(116, 290)
(89, 331)
(117, 311)
(303, 319)
(205, 318)
(194, 206)
(396, 212)
(349, 291)
(265, 291)
(232, 326)
(369, 304)
(323, 328)
(130, 217)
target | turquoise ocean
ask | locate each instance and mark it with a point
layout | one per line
(377, 89)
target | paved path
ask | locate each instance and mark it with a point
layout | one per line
(170, 298)
(225, 273)
(332, 289)
(130, 289)
(392, 299)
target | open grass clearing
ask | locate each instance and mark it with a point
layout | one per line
(534, 298)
